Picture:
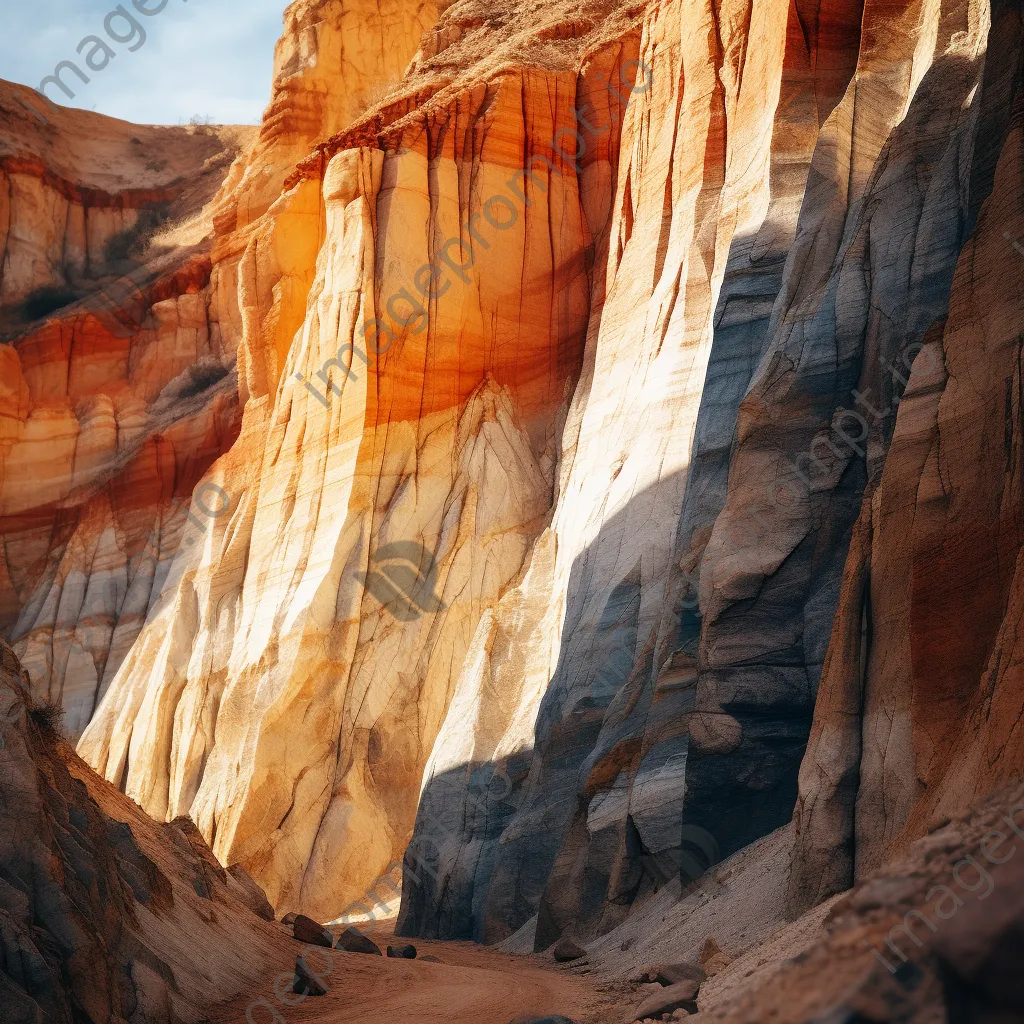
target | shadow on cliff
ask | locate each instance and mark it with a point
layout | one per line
(577, 828)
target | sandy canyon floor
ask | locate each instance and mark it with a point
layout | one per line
(472, 984)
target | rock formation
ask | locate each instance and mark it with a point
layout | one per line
(916, 717)
(588, 407)
(118, 387)
(116, 392)
(102, 910)
(439, 439)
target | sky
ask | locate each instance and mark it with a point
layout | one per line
(211, 58)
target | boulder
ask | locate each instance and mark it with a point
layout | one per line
(669, 974)
(526, 1018)
(713, 958)
(305, 929)
(407, 952)
(682, 995)
(353, 941)
(305, 982)
(566, 950)
(672, 974)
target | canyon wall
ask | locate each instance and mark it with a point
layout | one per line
(279, 695)
(102, 910)
(920, 698)
(126, 364)
(115, 392)
(560, 448)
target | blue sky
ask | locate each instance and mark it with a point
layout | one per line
(208, 57)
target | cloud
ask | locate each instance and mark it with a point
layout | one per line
(208, 57)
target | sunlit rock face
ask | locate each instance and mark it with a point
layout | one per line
(920, 700)
(712, 169)
(284, 696)
(117, 400)
(116, 392)
(685, 696)
(538, 460)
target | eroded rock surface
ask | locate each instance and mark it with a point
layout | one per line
(106, 915)
(919, 704)
(569, 368)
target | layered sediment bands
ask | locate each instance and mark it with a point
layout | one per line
(566, 371)
(625, 839)
(335, 59)
(885, 214)
(116, 393)
(116, 406)
(104, 914)
(918, 713)
(593, 820)
(70, 181)
(273, 696)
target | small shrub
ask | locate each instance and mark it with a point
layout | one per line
(132, 242)
(48, 299)
(49, 717)
(201, 377)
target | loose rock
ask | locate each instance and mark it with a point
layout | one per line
(353, 941)
(407, 952)
(713, 958)
(305, 983)
(682, 995)
(566, 950)
(527, 1019)
(672, 974)
(305, 929)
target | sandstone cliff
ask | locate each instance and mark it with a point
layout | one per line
(115, 391)
(605, 377)
(917, 715)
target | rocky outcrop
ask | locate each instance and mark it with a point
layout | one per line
(436, 444)
(690, 692)
(886, 213)
(931, 936)
(117, 399)
(116, 392)
(917, 713)
(569, 403)
(102, 911)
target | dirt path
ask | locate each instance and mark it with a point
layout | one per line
(472, 985)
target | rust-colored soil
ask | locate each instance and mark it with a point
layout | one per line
(472, 985)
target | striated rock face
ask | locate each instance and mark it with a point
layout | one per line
(115, 391)
(119, 386)
(702, 710)
(566, 443)
(886, 212)
(103, 911)
(438, 444)
(917, 713)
